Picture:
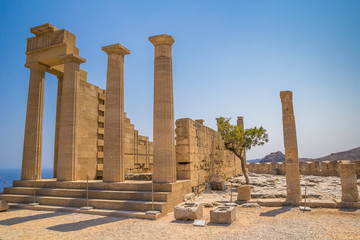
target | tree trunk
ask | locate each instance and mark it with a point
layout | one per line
(243, 166)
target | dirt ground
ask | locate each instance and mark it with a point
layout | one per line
(251, 223)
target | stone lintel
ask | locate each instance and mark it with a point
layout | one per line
(116, 48)
(47, 27)
(72, 58)
(162, 39)
(37, 66)
(286, 95)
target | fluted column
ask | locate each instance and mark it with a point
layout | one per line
(57, 124)
(31, 162)
(67, 148)
(113, 168)
(291, 150)
(164, 169)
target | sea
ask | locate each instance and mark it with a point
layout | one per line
(7, 176)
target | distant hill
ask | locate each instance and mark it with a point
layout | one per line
(274, 157)
(352, 154)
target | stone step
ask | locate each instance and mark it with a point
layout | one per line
(103, 212)
(97, 194)
(96, 185)
(129, 205)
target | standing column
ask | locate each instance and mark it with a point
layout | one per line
(67, 146)
(291, 151)
(164, 169)
(57, 124)
(349, 188)
(31, 162)
(113, 168)
(240, 123)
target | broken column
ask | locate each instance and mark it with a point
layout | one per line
(113, 168)
(164, 166)
(67, 146)
(31, 162)
(291, 152)
(240, 123)
(349, 188)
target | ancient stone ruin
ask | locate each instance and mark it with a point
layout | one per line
(97, 148)
(95, 140)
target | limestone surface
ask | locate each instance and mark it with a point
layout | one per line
(223, 215)
(3, 205)
(188, 211)
(291, 150)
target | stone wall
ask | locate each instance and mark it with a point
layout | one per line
(201, 155)
(324, 168)
(87, 126)
(138, 149)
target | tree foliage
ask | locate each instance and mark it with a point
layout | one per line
(238, 140)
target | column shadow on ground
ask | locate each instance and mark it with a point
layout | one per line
(76, 226)
(17, 220)
(274, 212)
(348, 209)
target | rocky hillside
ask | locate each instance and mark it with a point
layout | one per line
(352, 154)
(274, 157)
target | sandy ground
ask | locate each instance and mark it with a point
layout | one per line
(251, 223)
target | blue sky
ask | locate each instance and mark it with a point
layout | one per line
(230, 58)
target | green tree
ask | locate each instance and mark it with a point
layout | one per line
(238, 140)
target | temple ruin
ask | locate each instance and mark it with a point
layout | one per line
(97, 148)
(94, 139)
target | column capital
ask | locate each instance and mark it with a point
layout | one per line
(72, 58)
(162, 39)
(116, 48)
(37, 66)
(286, 95)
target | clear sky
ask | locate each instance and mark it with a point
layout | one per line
(230, 58)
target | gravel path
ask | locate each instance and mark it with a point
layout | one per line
(251, 223)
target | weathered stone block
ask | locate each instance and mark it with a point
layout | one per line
(3, 205)
(188, 211)
(349, 188)
(223, 215)
(244, 193)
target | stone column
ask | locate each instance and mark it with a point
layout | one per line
(31, 162)
(67, 146)
(240, 122)
(164, 169)
(349, 188)
(114, 115)
(218, 129)
(57, 124)
(291, 151)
